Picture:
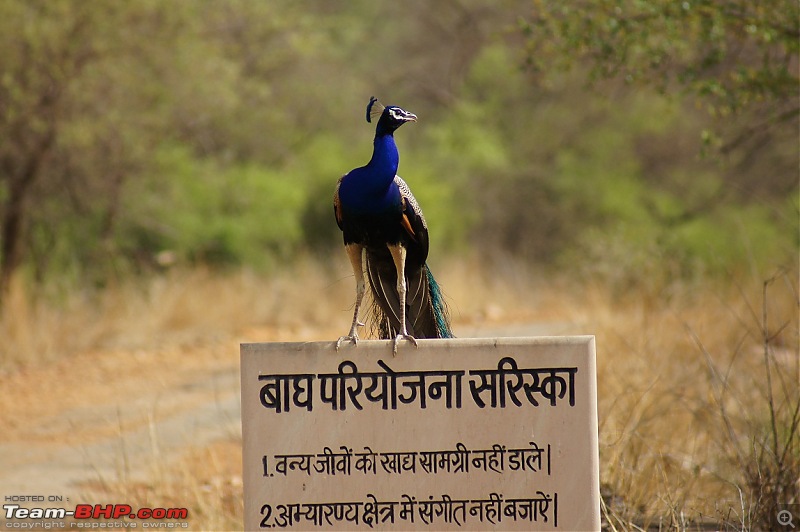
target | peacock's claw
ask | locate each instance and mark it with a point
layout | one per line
(353, 339)
(402, 337)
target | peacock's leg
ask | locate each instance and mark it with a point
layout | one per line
(399, 256)
(355, 253)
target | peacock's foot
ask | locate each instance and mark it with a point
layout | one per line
(350, 338)
(353, 339)
(402, 337)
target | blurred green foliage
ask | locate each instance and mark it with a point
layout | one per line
(730, 55)
(135, 135)
(207, 213)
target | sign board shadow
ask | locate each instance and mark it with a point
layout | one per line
(457, 434)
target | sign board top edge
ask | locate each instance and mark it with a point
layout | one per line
(423, 343)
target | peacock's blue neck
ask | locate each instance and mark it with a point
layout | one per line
(384, 161)
(370, 189)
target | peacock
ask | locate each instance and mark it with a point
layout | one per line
(380, 219)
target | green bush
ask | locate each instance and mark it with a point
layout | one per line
(205, 212)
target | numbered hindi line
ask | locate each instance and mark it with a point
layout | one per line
(344, 461)
(493, 510)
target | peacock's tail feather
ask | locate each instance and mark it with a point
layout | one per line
(426, 311)
(441, 313)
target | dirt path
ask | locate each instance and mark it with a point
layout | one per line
(115, 416)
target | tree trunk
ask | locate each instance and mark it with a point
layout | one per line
(12, 226)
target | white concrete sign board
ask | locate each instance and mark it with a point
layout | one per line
(461, 434)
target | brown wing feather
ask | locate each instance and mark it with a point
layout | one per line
(337, 205)
(413, 222)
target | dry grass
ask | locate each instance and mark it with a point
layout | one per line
(683, 401)
(698, 382)
(208, 482)
(179, 307)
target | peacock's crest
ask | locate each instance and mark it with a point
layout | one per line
(374, 108)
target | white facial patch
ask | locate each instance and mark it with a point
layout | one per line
(399, 114)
